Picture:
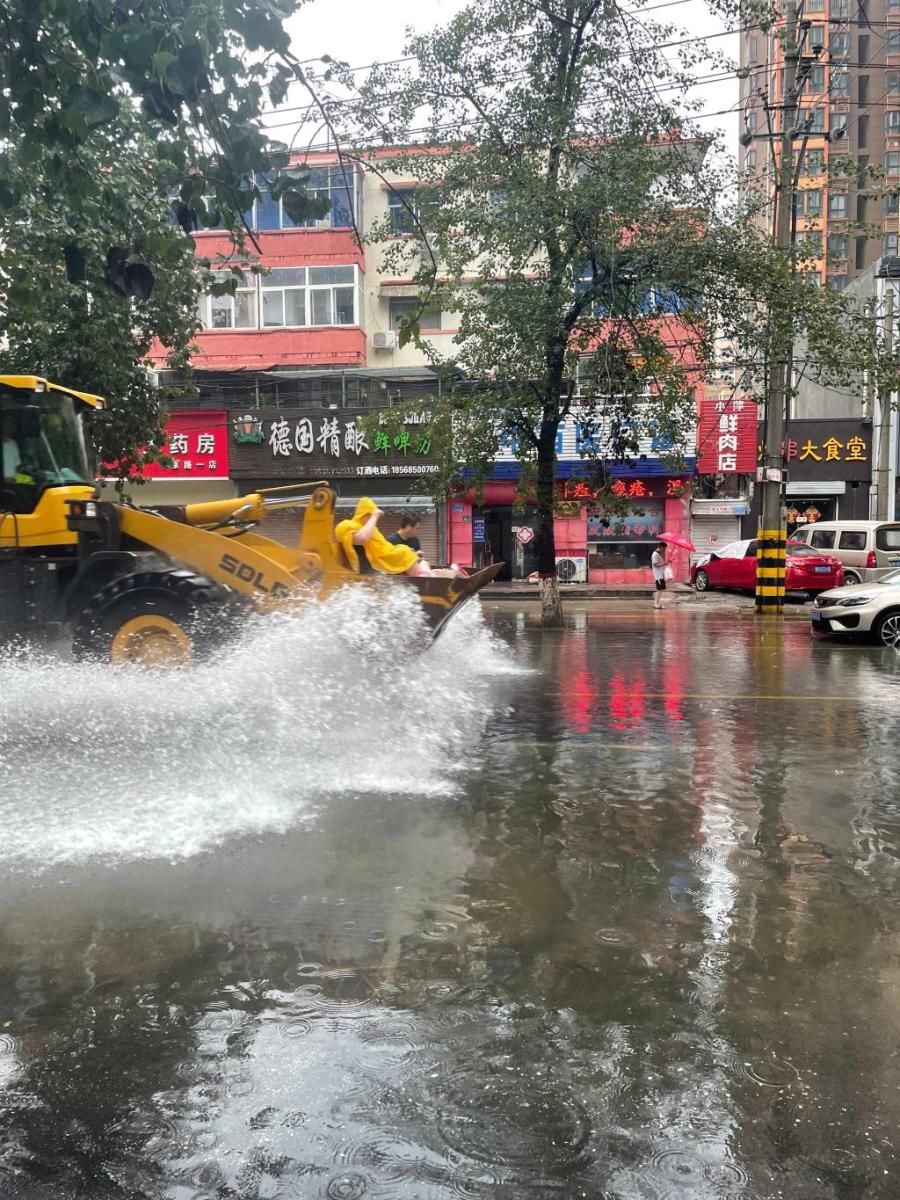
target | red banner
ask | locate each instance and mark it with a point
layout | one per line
(198, 444)
(726, 436)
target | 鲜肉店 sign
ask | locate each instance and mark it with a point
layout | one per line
(327, 443)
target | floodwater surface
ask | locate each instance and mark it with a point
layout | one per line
(607, 912)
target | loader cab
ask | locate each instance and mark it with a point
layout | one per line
(42, 445)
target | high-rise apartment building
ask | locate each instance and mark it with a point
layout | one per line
(847, 130)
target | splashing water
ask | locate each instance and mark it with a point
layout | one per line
(97, 763)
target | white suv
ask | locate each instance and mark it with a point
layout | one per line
(868, 608)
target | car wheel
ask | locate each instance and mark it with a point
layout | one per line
(886, 628)
(851, 579)
(701, 581)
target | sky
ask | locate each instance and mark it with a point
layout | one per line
(360, 32)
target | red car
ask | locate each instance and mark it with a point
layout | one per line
(734, 566)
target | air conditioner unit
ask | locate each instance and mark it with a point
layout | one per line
(571, 570)
(384, 339)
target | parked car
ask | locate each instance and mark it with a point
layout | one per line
(871, 608)
(866, 549)
(734, 567)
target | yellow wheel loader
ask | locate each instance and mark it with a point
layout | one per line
(153, 586)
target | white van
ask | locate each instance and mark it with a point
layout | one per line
(866, 549)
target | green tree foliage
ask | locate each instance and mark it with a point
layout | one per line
(116, 117)
(62, 318)
(568, 215)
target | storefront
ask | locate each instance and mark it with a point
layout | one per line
(829, 472)
(197, 443)
(275, 447)
(715, 523)
(595, 543)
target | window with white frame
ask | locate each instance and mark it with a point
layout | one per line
(407, 308)
(892, 122)
(231, 312)
(287, 297)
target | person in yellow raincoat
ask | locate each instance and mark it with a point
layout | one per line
(368, 550)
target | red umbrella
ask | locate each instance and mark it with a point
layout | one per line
(675, 539)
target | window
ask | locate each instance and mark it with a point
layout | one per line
(890, 245)
(837, 204)
(816, 119)
(750, 122)
(839, 45)
(861, 202)
(821, 539)
(892, 81)
(817, 79)
(862, 131)
(332, 295)
(288, 297)
(892, 41)
(892, 162)
(814, 163)
(750, 160)
(809, 202)
(852, 539)
(284, 297)
(891, 204)
(837, 283)
(231, 312)
(860, 253)
(816, 38)
(892, 122)
(893, 6)
(337, 185)
(810, 242)
(887, 537)
(862, 88)
(429, 318)
(840, 8)
(627, 539)
(840, 82)
(838, 124)
(752, 50)
(814, 6)
(751, 550)
(400, 202)
(838, 245)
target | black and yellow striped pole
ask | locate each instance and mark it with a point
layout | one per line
(771, 557)
(772, 549)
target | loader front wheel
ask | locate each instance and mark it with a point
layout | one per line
(152, 619)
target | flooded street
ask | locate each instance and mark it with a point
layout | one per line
(608, 912)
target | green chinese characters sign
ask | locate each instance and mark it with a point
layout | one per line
(328, 443)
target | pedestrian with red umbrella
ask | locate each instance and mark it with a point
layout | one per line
(661, 559)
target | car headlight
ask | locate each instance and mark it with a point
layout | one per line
(853, 601)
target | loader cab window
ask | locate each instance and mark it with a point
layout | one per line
(42, 446)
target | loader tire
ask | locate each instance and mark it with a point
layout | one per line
(153, 619)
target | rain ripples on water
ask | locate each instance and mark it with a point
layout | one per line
(579, 914)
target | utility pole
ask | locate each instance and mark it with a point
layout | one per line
(883, 471)
(771, 555)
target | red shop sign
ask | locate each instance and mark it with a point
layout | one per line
(726, 437)
(197, 442)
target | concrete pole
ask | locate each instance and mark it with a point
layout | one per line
(883, 470)
(770, 559)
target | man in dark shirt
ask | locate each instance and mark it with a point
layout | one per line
(406, 534)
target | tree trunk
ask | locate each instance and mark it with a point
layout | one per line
(551, 606)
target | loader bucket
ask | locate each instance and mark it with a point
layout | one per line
(443, 597)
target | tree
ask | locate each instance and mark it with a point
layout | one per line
(117, 116)
(199, 72)
(62, 317)
(575, 223)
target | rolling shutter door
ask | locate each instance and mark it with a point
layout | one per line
(427, 533)
(712, 533)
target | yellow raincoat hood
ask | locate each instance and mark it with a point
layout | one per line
(382, 554)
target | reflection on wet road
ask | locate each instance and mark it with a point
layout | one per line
(638, 942)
